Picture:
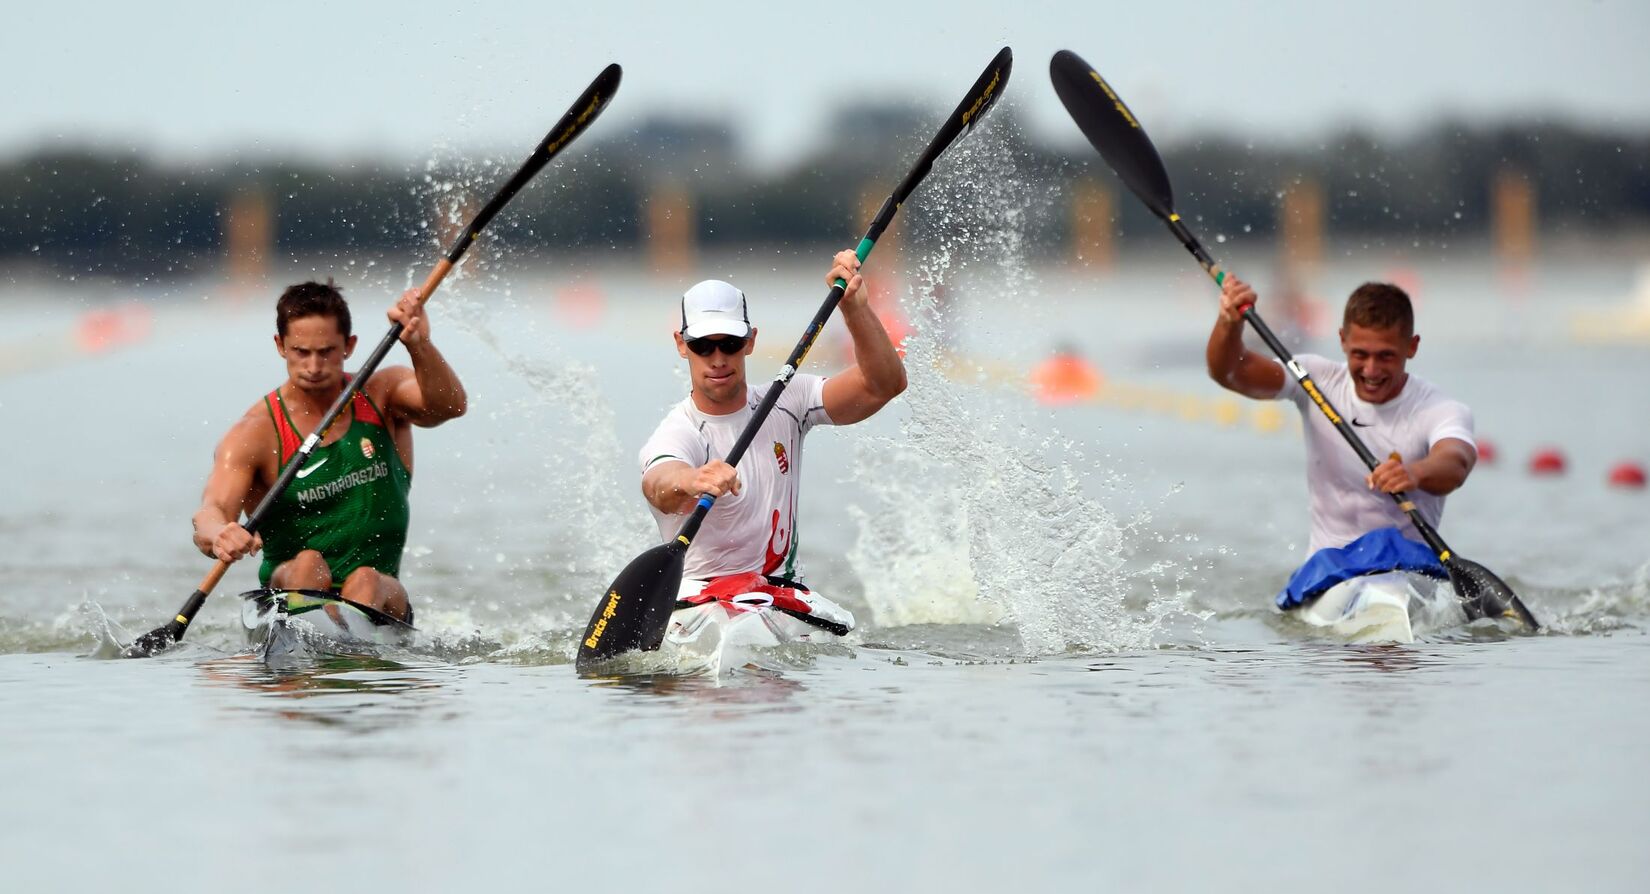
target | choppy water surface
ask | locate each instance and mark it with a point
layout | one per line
(1067, 671)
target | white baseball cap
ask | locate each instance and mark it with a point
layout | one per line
(714, 307)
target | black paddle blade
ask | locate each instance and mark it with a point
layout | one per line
(980, 97)
(987, 89)
(636, 610)
(1486, 596)
(167, 635)
(1112, 129)
(145, 646)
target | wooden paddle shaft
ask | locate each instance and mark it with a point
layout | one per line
(431, 282)
(210, 581)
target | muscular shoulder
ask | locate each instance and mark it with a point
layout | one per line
(384, 382)
(251, 435)
(1443, 417)
(803, 398)
(1430, 413)
(675, 438)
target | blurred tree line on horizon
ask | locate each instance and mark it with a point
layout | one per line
(120, 212)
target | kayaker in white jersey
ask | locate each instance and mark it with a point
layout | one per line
(748, 541)
(1393, 411)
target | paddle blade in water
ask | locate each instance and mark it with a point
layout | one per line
(1486, 596)
(147, 645)
(636, 610)
(1105, 119)
(168, 634)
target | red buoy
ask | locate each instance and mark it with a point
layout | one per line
(1486, 451)
(1547, 461)
(1627, 474)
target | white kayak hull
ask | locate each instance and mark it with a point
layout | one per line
(297, 623)
(1387, 607)
(718, 636)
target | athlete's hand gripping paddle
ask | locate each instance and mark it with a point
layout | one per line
(584, 111)
(635, 612)
(1115, 132)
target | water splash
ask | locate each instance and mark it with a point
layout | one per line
(976, 523)
(589, 525)
(1603, 609)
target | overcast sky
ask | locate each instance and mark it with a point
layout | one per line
(204, 79)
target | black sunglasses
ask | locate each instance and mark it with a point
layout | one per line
(704, 347)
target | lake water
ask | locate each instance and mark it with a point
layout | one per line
(1068, 671)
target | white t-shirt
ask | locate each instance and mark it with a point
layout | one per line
(1343, 508)
(754, 530)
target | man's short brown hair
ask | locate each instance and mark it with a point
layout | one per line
(1380, 305)
(312, 299)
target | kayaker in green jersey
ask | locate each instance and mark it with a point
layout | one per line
(342, 522)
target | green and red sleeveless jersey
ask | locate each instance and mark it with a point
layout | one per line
(349, 502)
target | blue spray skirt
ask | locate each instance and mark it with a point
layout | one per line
(1383, 549)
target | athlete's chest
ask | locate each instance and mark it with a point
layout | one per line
(357, 447)
(1387, 428)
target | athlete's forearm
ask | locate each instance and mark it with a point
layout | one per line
(208, 522)
(1441, 471)
(874, 352)
(1225, 352)
(438, 385)
(668, 489)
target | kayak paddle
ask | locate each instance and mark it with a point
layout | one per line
(589, 105)
(1115, 132)
(635, 612)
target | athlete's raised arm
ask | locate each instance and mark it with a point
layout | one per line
(1233, 366)
(218, 532)
(430, 393)
(878, 374)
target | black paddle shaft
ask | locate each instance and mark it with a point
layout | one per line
(572, 123)
(634, 612)
(1114, 131)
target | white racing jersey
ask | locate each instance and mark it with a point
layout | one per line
(754, 530)
(1343, 508)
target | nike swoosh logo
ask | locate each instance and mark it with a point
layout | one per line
(1354, 422)
(304, 473)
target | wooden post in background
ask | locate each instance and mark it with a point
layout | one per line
(1301, 224)
(248, 239)
(671, 233)
(1513, 223)
(1301, 230)
(1513, 217)
(1092, 225)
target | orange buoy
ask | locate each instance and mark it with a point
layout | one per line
(98, 331)
(580, 305)
(1547, 461)
(1486, 451)
(1065, 378)
(1627, 474)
